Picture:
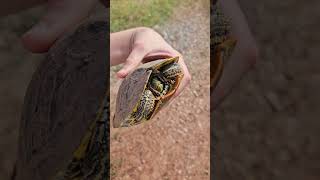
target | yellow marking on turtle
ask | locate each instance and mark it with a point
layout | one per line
(80, 152)
(157, 102)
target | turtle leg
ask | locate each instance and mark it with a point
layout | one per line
(153, 89)
(161, 79)
(164, 92)
(179, 77)
(145, 108)
(156, 109)
(159, 75)
(166, 89)
(157, 93)
(149, 105)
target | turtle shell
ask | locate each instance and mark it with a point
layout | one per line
(132, 88)
(62, 101)
(222, 43)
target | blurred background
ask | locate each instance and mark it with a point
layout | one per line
(16, 68)
(126, 14)
(269, 127)
(175, 144)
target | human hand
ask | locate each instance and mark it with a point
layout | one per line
(145, 45)
(242, 59)
(61, 16)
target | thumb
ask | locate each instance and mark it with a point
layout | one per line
(133, 60)
(62, 15)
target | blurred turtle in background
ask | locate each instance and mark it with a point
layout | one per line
(64, 129)
(221, 43)
(234, 50)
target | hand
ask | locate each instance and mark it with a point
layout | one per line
(61, 16)
(143, 45)
(244, 56)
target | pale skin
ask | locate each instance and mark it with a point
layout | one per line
(130, 47)
(244, 56)
(61, 16)
(145, 45)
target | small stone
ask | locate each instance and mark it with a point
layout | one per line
(195, 93)
(274, 101)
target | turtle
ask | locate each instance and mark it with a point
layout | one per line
(221, 42)
(64, 129)
(146, 90)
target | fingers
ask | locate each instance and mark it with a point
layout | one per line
(62, 15)
(133, 60)
(186, 77)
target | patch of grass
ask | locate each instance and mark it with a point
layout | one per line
(126, 14)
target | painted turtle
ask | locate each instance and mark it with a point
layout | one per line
(222, 43)
(143, 92)
(63, 131)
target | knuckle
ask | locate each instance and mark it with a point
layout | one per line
(139, 46)
(130, 61)
(146, 30)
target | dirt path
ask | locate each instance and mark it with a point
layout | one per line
(175, 145)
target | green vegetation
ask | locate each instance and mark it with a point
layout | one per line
(126, 14)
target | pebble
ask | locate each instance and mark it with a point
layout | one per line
(195, 93)
(274, 101)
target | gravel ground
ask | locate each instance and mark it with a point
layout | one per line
(269, 127)
(175, 144)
